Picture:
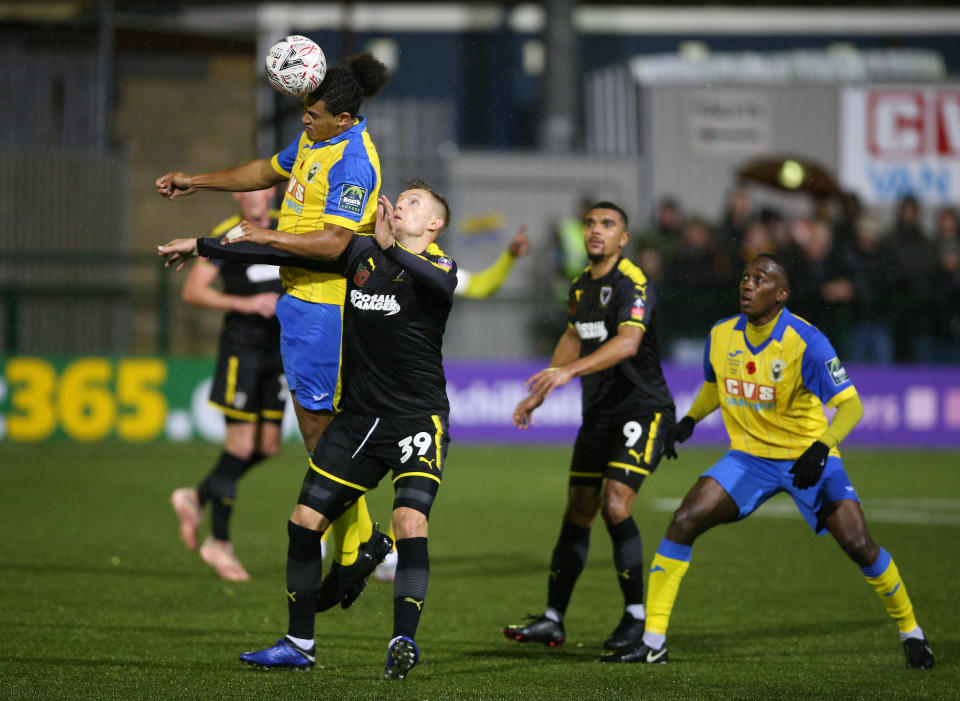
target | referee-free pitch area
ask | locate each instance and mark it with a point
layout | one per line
(99, 599)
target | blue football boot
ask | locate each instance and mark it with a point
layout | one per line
(402, 655)
(283, 655)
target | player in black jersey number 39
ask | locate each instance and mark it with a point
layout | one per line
(394, 414)
(611, 344)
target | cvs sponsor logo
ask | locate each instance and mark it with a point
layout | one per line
(295, 189)
(911, 123)
(749, 390)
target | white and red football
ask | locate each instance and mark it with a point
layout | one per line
(295, 65)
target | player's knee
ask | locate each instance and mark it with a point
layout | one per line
(860, 548)
(409, 523)
(614, 511)
(240, 448)
(309, 518)
(618, 501)
(581, 512)
(270, 448)
(685, 526)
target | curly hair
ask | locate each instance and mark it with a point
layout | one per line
(344, 87)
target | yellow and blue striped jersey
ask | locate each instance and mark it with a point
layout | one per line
(772, 395)
(334, 182)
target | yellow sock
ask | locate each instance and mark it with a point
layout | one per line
(666, 572)
(885, 579)
(352, 528)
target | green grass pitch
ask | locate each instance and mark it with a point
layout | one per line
(99, 599)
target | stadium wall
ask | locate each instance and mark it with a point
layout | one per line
(90, 399)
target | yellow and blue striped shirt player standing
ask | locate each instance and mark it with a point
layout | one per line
(771, 373)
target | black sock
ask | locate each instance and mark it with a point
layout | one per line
(628, 559)
(569, 558)
(304, 570)
(410, 585)
(220, 488)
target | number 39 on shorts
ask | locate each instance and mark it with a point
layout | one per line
(421, 441)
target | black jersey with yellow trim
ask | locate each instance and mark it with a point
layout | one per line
(395, 314)
(597, 310)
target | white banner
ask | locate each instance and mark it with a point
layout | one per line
(901, 140)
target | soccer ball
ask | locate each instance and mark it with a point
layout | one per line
(295, 65)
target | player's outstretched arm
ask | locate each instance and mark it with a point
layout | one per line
(559, 373)
(254, 175)
(325, 244)
(623, 345)
(182, 250)
(484, 283)
(520, 244)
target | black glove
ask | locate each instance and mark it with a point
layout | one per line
(807, 469)
(677, 433)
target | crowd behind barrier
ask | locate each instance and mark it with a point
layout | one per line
(882, 291)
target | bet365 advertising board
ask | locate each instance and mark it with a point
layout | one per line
(138, 399)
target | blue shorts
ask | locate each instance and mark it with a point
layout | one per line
(310, 335)
(750, 481)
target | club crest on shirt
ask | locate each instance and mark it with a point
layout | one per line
(837, 372)
(605, 293)
(776, 369)
(312, 173)
(361, 275)
(352, 198)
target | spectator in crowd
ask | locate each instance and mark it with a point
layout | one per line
(872, 268)
(917, 257)
(756, 239)
(657, 243)
(696, 276)
(736, 218)
(845, 225)
(946, 287)
(779, 229)
(820, 286)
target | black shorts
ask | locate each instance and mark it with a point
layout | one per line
(626, 448)
(249, 384)
(355, 452)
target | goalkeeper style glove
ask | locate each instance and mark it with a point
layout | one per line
(677, 433)
(807, 469)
